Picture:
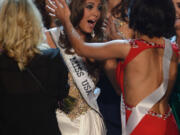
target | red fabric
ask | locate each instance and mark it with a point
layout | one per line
(149, 125)
(152, 125)
(137, 47)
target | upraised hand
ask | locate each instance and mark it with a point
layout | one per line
(59, 9)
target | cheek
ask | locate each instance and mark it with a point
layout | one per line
(177, 24)
(86, 13)
(178, 10)
(82, 25)
(99, 15)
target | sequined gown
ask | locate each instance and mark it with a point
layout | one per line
(81, 120)
(75, 116)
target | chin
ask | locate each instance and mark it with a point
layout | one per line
(88, 32)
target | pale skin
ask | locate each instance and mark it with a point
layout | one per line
(142, 75)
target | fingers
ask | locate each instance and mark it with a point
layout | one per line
(59, 3)
(51, 8)
(51, 4)
(58, 9)
(63, 2)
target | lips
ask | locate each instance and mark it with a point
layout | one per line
(92, 23)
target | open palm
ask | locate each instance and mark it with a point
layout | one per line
(58, 9)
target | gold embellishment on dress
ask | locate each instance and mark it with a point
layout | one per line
(80, 107)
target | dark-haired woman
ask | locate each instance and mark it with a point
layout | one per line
(79, 113)
(145, 91)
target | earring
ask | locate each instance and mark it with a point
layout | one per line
(93, 34)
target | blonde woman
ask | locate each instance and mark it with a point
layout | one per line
(31, 80)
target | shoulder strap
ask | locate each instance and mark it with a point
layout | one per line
(137, 46)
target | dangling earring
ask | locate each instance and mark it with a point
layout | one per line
(93, 34)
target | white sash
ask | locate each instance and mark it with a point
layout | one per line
(142, 108)
(79, 73)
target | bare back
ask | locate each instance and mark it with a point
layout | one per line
(144, 74)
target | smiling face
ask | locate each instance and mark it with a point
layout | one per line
(92, 13)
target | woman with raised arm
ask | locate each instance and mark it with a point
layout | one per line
(148, 71)
(31, 81)
(79, 113)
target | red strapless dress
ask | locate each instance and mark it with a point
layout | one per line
(151, 123)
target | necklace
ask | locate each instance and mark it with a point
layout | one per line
(151, 43)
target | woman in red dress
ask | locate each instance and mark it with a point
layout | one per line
(148, 68)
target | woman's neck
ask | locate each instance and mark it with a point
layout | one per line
(157, 40)
(81, 34)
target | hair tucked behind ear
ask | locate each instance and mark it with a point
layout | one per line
(20, 30)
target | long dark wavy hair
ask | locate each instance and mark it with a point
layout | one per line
(120, 11)
(77, 12)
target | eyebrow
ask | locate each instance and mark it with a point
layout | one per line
(100, 4)
(89, 2)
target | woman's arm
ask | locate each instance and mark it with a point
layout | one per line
(110, 70)
(100, 51)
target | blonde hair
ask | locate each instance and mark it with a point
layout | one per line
(20, 30)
